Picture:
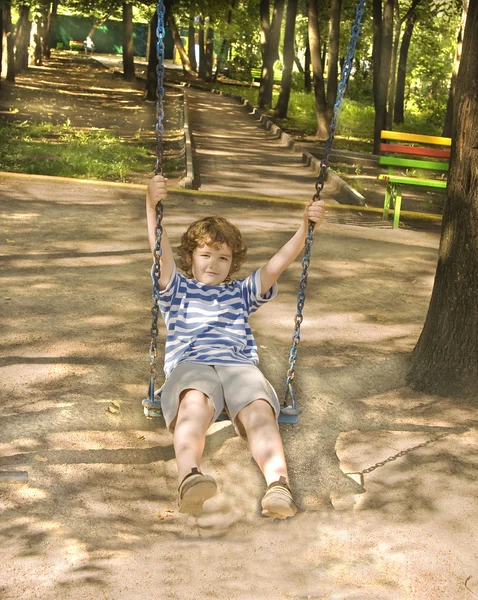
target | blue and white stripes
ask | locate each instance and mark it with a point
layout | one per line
(210, 324)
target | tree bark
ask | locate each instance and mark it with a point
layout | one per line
(270, 56)
(1, 41)
(392, 81)
(333, 58)
(448, 124)
(307, 77)
(318, 71)
(178, 42)
(289, 53)
(222, 56)
(10, 38)
(209, 54)
(192, 43)
(151, 76)
(22, 38)
(53, 9)
(382, 54)
(128, 51)
(445, 359)
(202, 52)
(398, 112)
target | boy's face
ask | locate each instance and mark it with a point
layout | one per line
(211, 264)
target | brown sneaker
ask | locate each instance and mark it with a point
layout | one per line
(194, 490)
(278, 502)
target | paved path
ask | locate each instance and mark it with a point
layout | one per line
(235, 154)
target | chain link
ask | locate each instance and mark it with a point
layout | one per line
(153, 349)
(290, 401)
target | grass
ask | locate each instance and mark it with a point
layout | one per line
(61, 150)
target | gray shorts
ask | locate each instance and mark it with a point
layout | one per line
(227, 387)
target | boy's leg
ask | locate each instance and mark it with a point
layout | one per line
(194, 417)
(264, 439)
(265, 442)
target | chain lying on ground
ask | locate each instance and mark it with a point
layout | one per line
(400, 454)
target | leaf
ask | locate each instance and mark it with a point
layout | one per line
(113, 409)
(40, 458)
(141, 438)
(116, 403)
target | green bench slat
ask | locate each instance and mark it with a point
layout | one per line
(393, 161)
(434, 183)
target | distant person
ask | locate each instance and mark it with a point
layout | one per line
(211, 355)
(38, 52)
(88, 45)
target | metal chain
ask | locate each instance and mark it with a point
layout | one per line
(400, 454)
(153, 349)
(290, 406)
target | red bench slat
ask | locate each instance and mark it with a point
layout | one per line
(434, 152)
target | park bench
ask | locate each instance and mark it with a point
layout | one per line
(257, 71)
(422, 161)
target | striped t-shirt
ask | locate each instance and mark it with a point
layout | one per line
(210, 324)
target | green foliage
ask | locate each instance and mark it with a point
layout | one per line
(60, 150)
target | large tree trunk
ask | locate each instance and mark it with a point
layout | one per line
(398, 112)
(1, 41)
(448, 124)
(333, 59)
(22, 38)
(445, 360)
(209, 58)
(270, 56)
(307, 77)
(10, 42)
(382, 54)
(50, 28)
(151, 75)
(289, 53)
(128, 52)
(318, 71)
(192, 43)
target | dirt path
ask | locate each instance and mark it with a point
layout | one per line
(386, 477)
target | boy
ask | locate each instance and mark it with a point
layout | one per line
(210, 354)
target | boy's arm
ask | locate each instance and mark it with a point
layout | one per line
(270, 272)
(157, 191)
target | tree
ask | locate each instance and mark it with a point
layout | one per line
(128, 52)
(318, 71)
(289, 54)
(333, 58)
(150, 92)
(269, 48)
(398, 111)
(381, 58)
(52, 13)
(22, 38)
(192, 41)
(208, 54)
(447, 127)
(445, 359)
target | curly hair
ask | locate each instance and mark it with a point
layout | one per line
(211, 231)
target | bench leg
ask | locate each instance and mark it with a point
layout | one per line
(397, 206)
(386, 202)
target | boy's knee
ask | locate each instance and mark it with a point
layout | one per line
(257, 414)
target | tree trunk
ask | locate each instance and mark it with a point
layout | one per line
(393, 67)
(192, 43)
(382, 54)
(264, 13)
(398, 112)
(270, 56)
(333, 59)
(445, 359)
(151, 75)
(289, 53)
(318, 71)
(202, 53)
(209, 54)
(10, 38)
(1, 41)
(448, 124)
(128, 52)
(50, 28)
(222, 56)
(22, 38)
(307, 77)
(178, 42)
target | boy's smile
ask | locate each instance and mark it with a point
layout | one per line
(211, 264)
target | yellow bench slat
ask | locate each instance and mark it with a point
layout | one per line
(415, 137)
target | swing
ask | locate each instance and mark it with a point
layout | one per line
(289, 412)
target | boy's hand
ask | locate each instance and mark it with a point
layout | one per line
(157, 189)
(315, 212)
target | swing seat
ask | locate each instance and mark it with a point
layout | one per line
(152, 410)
